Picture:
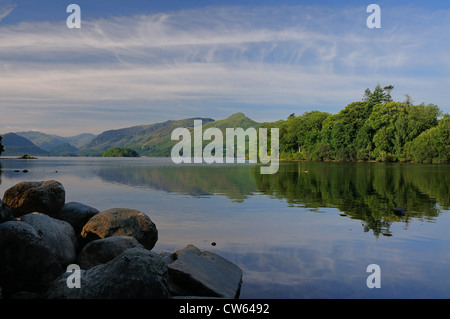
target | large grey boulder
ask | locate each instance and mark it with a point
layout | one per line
(76, 214)
(121, 222)
(5, 212)
(101, 251)
(196, 273)
(137, 273)
(57, 234)
(46, 197)
(26, 262)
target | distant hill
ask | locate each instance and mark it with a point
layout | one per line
(18, 145)
(155, 139)
(233, 121)
(56, 145)
(64, 149)
(147, 140)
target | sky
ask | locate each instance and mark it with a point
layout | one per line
(140, 62)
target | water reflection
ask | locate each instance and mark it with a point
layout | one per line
(365, 191)
(234, 181)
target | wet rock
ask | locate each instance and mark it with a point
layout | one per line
(46, 197)
(121, 222)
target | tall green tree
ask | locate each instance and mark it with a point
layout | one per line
(376, 128)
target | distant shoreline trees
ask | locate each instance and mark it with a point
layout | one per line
(374, 129)
(1, 146)
(120, 152)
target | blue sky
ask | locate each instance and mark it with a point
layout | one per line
(139, 62)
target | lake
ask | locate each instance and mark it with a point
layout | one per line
(308, 231)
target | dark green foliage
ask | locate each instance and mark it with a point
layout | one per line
(1, 146)
(375, 129)
(120, 152)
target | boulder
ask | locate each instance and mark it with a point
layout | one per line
(57, 234)
(5, 212)
(101, 251)
(76, 214)
(137, 273)
(121, 222)
(196, 273)
(26, 262)
(46, 197)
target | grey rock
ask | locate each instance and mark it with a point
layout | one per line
(76, 214)
(5, 212)
(101, 251)
(121, 222)
(57, 234)
(135, 274)
(26, 262)
(196, 273)
(46, 197)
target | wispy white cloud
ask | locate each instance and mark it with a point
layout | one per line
(213, 61)
(6, 11)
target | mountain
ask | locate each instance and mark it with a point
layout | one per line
(233, 121)
(15, 144)
(155, 139)
(148, 140)
(64, 149)
(54, 144)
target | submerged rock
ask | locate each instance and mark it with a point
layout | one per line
(46, 197)
(400, 211)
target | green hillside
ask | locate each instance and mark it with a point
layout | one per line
(155, 139)
(146, 140)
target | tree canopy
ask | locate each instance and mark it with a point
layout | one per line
(376, 128)
(120, 152)
(1, 146)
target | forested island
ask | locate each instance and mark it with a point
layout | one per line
(374, 129)
(120, 152)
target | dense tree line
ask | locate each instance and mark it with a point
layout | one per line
(376, 128)
(1, 146)
(120, 152)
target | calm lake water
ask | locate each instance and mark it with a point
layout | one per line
(295, 235)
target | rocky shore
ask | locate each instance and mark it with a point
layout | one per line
(50, 249)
